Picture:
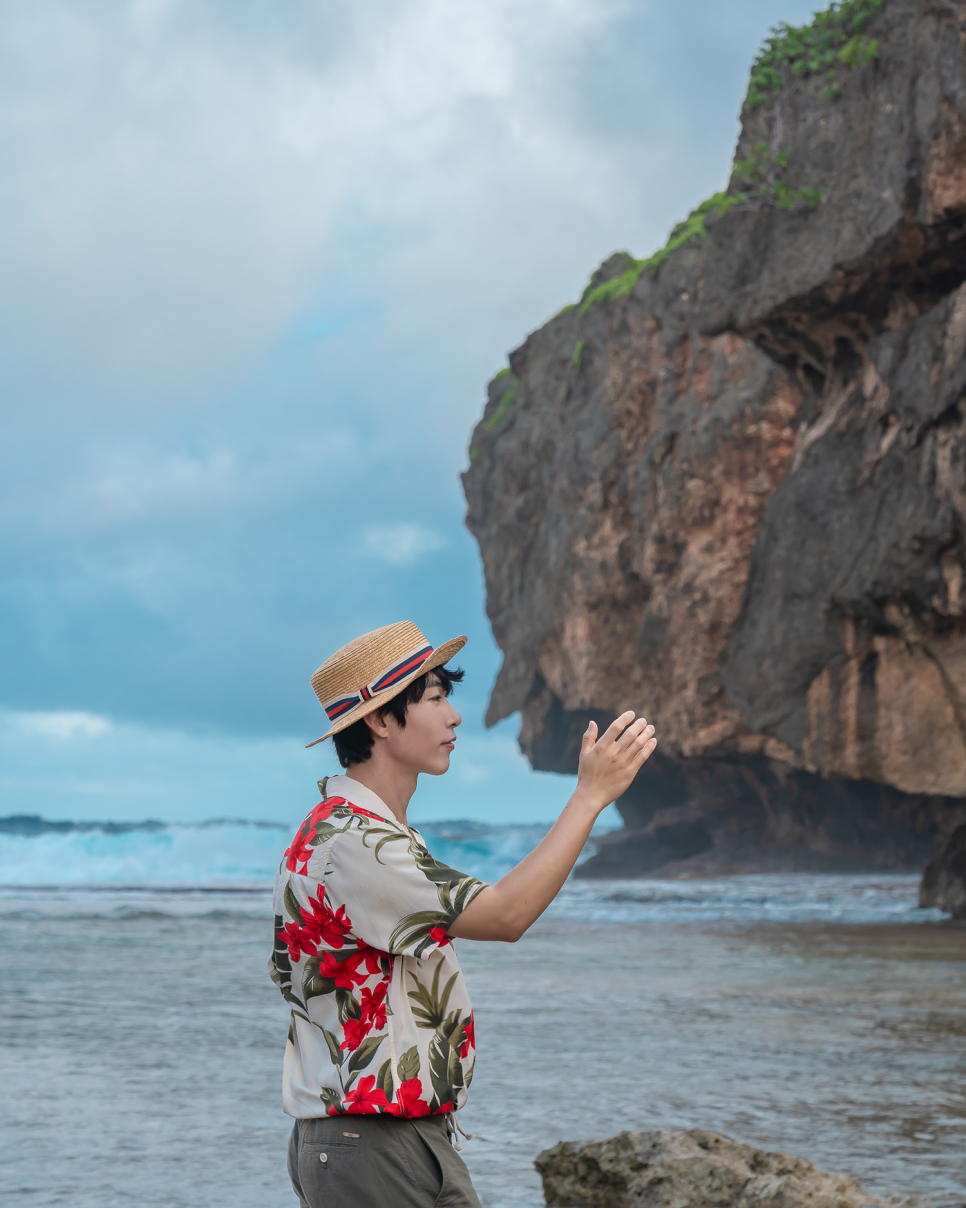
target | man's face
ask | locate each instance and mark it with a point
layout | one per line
(425, 742)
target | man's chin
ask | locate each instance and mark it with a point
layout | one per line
(439, 768)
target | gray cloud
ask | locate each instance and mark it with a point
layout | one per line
(258, 263)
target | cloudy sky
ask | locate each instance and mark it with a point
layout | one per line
(258, 262)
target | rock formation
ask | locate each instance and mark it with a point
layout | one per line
(670, 1168)
(944, 879)
(728, 488)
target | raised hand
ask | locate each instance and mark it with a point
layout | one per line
(609, 764)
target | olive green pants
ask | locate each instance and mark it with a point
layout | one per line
(377, 1162)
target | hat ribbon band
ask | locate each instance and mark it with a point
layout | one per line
(341, 705)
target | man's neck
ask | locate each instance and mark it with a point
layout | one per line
(392, 784)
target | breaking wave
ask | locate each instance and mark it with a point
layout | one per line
(223, 853)
(226, 867)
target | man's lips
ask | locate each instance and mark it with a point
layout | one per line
(449, 745)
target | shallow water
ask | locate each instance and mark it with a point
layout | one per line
(820, 1015)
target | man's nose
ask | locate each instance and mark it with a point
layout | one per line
(455, 719)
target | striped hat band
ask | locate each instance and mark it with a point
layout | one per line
(340, 705)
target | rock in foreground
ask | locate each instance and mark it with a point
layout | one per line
(944, 879)
(689, 1168)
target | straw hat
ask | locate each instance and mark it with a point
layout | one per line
(371, 670)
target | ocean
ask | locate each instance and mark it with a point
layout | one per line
(142, 1038)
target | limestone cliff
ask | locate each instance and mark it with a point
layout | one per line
(728, 488)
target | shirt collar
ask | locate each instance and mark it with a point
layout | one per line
(358, 794)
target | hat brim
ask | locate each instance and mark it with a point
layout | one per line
(442, 654)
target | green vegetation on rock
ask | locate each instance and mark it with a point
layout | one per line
(759, 174)
(832, 39)
(508, 396)
(578, 353)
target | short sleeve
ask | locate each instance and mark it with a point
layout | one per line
(398, 898)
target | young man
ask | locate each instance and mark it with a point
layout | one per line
(381, 1048)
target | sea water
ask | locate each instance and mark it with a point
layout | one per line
(142, 1039)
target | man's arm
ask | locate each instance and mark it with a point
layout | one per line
(505, 910)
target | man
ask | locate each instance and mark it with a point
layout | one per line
(381, 1048)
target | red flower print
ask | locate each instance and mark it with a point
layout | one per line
(323, 809)
(469, 1037)
(372, 957)
(300, 852)
(356, 809)
(439, 935)
(324, 925)
(373, 1004)
(298, 940)
(365, 1097)
(443, 1108)
(356, 1030)
(345, 973)
(408, 1101)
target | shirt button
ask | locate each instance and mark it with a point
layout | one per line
(323, 1157)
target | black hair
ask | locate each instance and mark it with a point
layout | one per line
(354, 744)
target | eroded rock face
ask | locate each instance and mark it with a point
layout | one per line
(734, 499)
(671, 1168)
(944, 879)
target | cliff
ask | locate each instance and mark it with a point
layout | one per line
(727, 488)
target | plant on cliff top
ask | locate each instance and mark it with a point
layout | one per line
(762, 187)
(832, 38)
(693, 227)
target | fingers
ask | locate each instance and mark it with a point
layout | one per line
(633, 733)
(646, 751)
(613, 731)
(589, 738)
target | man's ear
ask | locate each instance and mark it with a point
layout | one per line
(377, 724)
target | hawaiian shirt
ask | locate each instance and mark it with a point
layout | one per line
(381, 1019)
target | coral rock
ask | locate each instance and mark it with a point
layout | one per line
(689, 1169)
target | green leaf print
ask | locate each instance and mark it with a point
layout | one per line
(434, 870)
(384, 1079)
(437, 1072)
(324, 831)
(413, 927)
(292, 905)
(335, 1052)
(387, 837)
(348, 1005)
(330, 1097)
(445, 1068)
(313, 985)
(431, 1009)
(408, 1064)
(364, 1053)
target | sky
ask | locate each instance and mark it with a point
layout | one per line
(257, 264)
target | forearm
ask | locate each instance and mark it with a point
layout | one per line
(505, 910)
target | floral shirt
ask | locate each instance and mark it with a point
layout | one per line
(381, 1020)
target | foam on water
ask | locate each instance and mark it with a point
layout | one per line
(227, 867)
(219, 854)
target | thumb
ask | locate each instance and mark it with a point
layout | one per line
(589, 738)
